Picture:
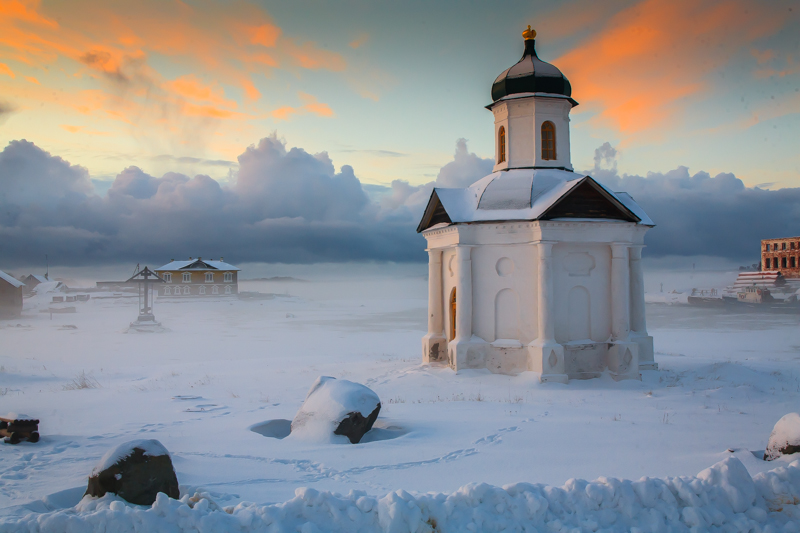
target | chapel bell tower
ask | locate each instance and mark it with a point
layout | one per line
(531, 105)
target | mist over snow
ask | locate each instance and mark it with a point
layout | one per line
(287, 205)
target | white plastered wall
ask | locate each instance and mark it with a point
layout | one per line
(504, 259)
(522, 119)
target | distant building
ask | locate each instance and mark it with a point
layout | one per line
(32, 280)
(10, 296)
(782, 255)
(197, 277)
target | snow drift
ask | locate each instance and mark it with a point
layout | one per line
(721, 498)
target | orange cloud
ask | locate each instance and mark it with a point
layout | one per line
(249, 89)
(767, 72)
(114, 64)
(311, 106)
(285, 112)
(32, 80)
(24, 11)
(359, 41)
(651, 57)
(262, 59)
(265, 35)
(223, 40)
(4, 69)
(762, 56)
(191, 88)
(83, 129)
(208, 111)
(310, 57)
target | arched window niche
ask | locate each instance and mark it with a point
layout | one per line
(548, 141)
(501, 145)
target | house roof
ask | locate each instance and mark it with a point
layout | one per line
(530, 194)
(37, 277)
(197, 264)
(11, 280)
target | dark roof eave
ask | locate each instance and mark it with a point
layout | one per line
(517, 96)
(428, 213)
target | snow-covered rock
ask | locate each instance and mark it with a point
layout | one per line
(785, 437)
(136, 471)
(336, 410)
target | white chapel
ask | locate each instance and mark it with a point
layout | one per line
(536, 267)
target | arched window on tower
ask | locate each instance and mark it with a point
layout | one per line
(548, 141)
(501, 145)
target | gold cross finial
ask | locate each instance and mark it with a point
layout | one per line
(529, 34)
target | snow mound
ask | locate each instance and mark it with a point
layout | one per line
(48, 287)
(328, 402)
(150, 447)
(785, 437)
(721, 498)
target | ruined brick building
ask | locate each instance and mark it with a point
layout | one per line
(782, 255)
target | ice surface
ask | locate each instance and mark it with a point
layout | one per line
(328, 402)
(724, 380)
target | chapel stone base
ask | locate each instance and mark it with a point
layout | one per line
(467, 353)
(434, 348)
(548, 359)
(585, 360)
(646, 353)
(623, 360)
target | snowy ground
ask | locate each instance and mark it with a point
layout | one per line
(227, 365)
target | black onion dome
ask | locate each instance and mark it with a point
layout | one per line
(530, 75)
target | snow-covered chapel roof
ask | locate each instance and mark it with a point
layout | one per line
(530, 194)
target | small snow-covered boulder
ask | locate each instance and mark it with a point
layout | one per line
(336, 409)
(136, 471)
(785, 437)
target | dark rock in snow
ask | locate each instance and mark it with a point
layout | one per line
(336, 407)
(785, 437)
(356, 425)
(135, 471)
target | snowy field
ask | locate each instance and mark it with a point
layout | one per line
(227, 366)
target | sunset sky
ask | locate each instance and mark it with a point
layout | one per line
(389, 88)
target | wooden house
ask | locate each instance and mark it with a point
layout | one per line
(198, 277)
(10, 296)
(32, 280)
